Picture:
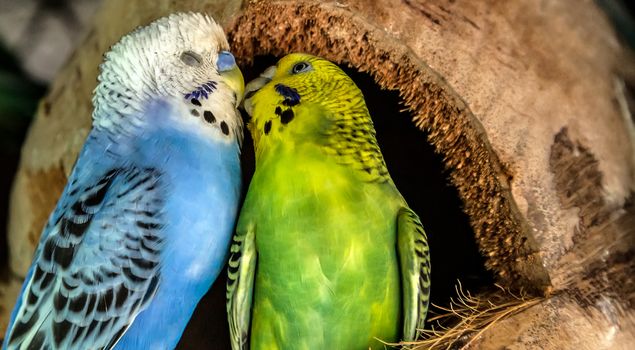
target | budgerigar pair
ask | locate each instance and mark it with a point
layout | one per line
(326, 255)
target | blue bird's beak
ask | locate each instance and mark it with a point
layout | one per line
(229, 71)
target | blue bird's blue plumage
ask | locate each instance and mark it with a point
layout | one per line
(143, 226)
(205, 185)
(167, 203)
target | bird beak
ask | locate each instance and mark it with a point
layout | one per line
(255, 85)
(231, 74)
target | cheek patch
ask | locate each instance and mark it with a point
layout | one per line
(291, 96)
(202, 91)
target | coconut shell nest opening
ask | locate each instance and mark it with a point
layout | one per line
(436, 152)
(416, 98)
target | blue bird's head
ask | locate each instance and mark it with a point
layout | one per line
(183, 59)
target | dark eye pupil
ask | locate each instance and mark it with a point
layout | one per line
(299, 67)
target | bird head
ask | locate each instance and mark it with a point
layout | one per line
(300, 99)
(182, 57)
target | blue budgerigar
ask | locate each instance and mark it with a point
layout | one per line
(143, 226)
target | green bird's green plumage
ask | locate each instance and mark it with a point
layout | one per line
(327, 254)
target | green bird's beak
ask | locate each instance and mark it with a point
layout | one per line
(255, 85)
(231, 74)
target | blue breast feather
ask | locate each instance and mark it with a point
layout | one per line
(139, 235)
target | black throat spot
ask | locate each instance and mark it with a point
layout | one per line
(267, 128)
(286, 116)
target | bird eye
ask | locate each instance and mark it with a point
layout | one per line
(300, 67)
(192, 59)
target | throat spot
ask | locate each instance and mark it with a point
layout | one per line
(198, 109)
(286, 116)
(209, 117)
(267, 128)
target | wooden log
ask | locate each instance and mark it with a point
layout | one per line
(527, 103)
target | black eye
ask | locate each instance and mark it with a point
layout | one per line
(191, 58)
(300, 67)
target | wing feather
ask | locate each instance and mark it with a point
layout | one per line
(97, 264)
(240, 285)
(414, 261)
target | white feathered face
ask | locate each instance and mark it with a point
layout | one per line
(182, 56)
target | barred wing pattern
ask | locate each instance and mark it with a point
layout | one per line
(97, 264)
(414, 261)
(240, 284)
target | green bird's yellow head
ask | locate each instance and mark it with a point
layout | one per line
(297, 83)
(307, 99)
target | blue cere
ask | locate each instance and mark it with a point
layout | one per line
(226, 61)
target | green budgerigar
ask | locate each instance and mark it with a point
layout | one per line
(327, 254)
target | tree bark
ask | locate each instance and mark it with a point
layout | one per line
(526, 101)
